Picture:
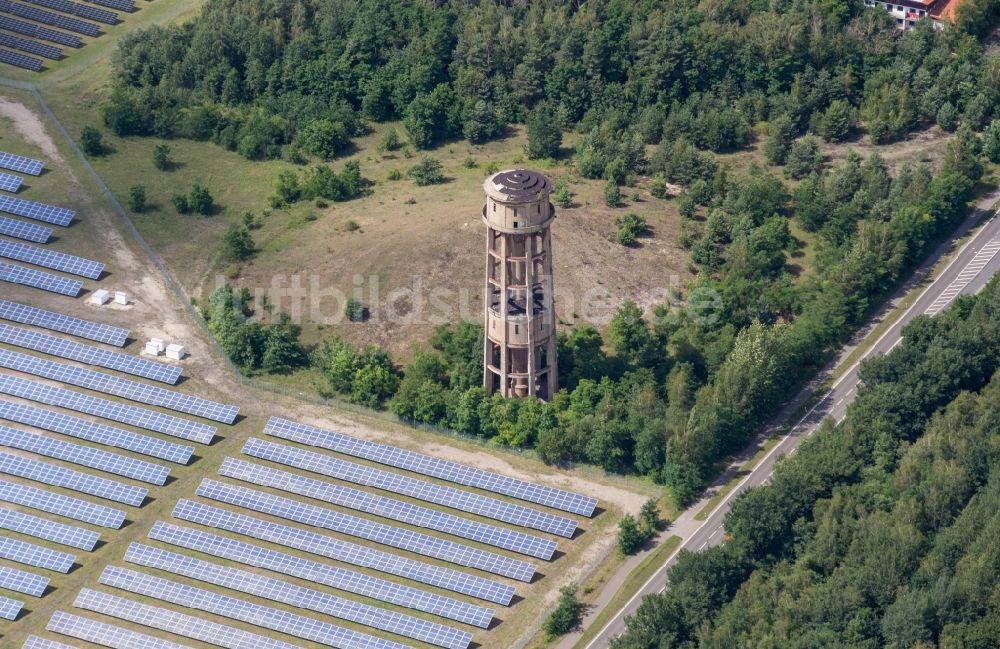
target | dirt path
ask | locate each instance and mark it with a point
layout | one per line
(30, 127)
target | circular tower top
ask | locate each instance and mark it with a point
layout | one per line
(517, 200)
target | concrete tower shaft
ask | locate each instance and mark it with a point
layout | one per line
(520, 341)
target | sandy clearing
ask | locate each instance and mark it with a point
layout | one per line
(31, 128)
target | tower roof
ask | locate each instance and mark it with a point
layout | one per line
(517, 186)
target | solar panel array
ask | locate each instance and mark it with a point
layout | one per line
(88, 354)
(187, 626)
(43, 528)
(94, 458)
(396, 537)
(389, 508)
(10, 182)
(20, 581)
(432, 466)
(133, 415)
(41, 49)
(35, 555)
(26, 231)
(20, 60)
(127, 389)
(237, 609)
(319, 573)
(45, 34)
(38, 211)
(19, 163)
(94, 432)
(58, 476)
(78, 327)
(49, 18)
(38, 279)
(120, 5)
(36, 642)
(9, 608)
(104, 634)
(81, 10)
(298, 596)
(51, 259)
(361, 474)
(66, 506)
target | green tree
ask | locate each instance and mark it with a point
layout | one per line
(286, 188)
(180, 202)
(161, 157)
(200, 200)
(544, 133)
(630, 226)
(630, 336)
(947, 116)
(92, 142)
(991, 141)
(427, 172)
(238, 243)
(567, 614)
(389, 141)
(780, 135)
(482, 124)
(837, 121)
(612, 195)
(562, 195)
(355, 310)
(137, 198)
(804, 158)
(432, 117)
(323, 138)
(630, 535)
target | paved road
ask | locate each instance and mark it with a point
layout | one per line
(966, 272)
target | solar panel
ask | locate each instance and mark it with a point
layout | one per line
(20, 60)
(88, 354)
(43, 528)
(78, 327)
(88, 456)
(26, 231)
(38, 211)
(432, 466)
(180, 624)
(38, 279)
(35, 642)
(9, 182)
(120, 5)
(58, 476)
(53, 503)
(41, 49)
(278, 590)
(361, 474)
(51, 259)
(20, 581)
(127, 389)
(58, 20)
(35, 555)
(19, 163)
(81, 10)
(316, 572)
(9, 608)
(194, 431)
(242, 610)
(104, 634)
(396, 537)
(389, 508)
(57, 422)
(35, 31)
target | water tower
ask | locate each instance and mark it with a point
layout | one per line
(520, 341)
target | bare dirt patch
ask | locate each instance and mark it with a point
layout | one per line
(30, 127)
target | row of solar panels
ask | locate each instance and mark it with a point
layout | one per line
(49, 18)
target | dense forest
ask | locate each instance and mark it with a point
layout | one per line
(654, 88)
(880, 532)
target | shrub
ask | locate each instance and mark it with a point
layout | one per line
(658, 187)
(237, 243)
(469, 162)
(137, 198)
(389, 141)
(630, 536)
(181, 204)
(250, 221)
(394, 174)
(355, 310)
(323, 138)
(161, 157)
(630, 227)
(427, 172)
(92, 142)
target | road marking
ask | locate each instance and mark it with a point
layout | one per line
(717, 530)
(969, 273)
(836, 383)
